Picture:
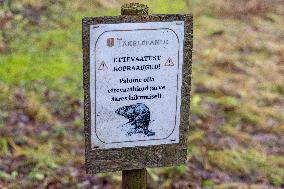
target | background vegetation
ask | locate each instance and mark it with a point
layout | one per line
(237, 110)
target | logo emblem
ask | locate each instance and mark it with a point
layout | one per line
(110, 42)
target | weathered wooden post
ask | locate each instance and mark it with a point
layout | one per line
(134, 179)
(137, 178)
(137, 80)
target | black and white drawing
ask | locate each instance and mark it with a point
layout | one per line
(139, 119)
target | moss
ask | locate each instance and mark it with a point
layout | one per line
(134, 9)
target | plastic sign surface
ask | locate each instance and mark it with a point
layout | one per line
(135, 83)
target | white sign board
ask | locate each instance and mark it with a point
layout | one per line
(135, 83)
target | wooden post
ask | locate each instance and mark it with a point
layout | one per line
(134, 9)
(134, 179)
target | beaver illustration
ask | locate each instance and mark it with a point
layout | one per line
(138, 116)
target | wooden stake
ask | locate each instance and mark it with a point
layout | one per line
(134, 179)
(134, 9)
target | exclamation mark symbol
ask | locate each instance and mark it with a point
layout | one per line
(169, 62)
(103, 66)
(158, 66)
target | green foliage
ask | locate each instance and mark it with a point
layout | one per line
(160, 6)
(248, 162)
(35, 110)
(36, 174)
(7, 176)
(4, 175)
(43, 156)
(4, 146)
(59, 131)
(208, 184)
(197, 108)
(54, 68)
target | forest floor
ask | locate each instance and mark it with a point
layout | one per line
(237, 101)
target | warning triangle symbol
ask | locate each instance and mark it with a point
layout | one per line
(103, 66)
(169, 62)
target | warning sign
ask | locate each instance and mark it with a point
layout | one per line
(169, 62)
(137, 80)
(103, 66)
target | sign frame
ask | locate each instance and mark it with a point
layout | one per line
(139, 157)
